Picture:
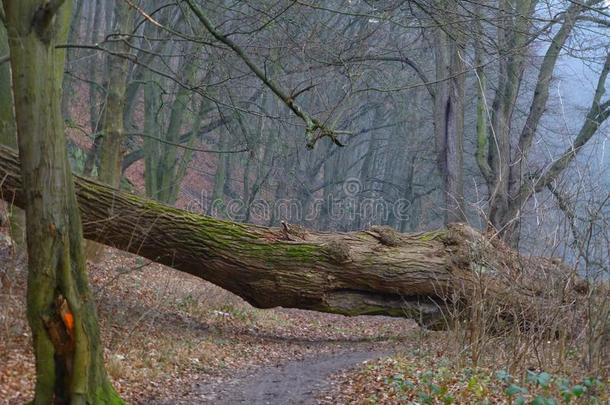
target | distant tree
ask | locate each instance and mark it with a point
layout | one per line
(117, 73)
(165, 163)
(8, 134)
(449, 108)
(504, 149)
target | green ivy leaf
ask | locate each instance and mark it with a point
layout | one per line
(543, 379)
(540, 400)
(578, 390)
(563, 384)
(513, 390)
(425, 398)
(448, 400)
(503, 376)
(591, 381)
(531, 376)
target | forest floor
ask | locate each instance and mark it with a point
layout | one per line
(171, 338)
(174, 339)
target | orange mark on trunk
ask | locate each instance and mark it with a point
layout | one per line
(66, 315)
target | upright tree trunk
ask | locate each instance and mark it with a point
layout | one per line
(111, 153)
(147, 53)
(164, 166)
(449, 124)
(264, 153)
(108, 144)
(8, 136)
(217, 200)
(514, 25)
(72, 38)
(151, 147)
(60, 308)
(95, 110)
(7, 118)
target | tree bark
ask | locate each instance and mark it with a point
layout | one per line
(378, 271)
(448, 120)
(113, 130)
(60, 308)
(513, 35)
(95, 109)
(162, 162)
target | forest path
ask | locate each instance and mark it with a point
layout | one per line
(295, 382)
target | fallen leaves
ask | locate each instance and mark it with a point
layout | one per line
(166, 332)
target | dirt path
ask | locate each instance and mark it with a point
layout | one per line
(296, 382)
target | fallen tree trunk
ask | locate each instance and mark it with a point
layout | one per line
(423, 276)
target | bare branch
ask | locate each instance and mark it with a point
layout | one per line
(541, 93)
(314, 129)
(595, 117)
(183, 146)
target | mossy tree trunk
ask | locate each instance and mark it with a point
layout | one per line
(377, 271)
(164, 166)
(113, 130)
(60, 309)
(109, 145)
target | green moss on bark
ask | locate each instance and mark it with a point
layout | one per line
(69, 361)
